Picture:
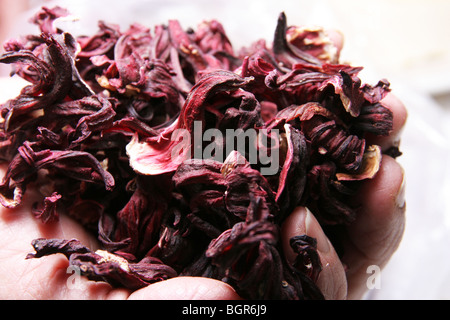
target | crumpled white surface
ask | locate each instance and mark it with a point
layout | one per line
(420, 269)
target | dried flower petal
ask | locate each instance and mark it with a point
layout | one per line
(104, 266)
(286, 52)
(370, 164)
(49, 212)
(109, 129)
(155, 154)
(314, 41)
(46, 16)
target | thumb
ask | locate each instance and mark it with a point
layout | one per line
(186, 288)
(332, 279)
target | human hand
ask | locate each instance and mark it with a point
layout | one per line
(377, 231)
(50, 278)
(375, 234)
(370, 240)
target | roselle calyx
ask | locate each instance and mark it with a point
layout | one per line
(114, 128)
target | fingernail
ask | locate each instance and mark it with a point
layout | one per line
(314, 230)
(400, 200)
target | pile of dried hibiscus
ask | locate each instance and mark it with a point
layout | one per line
(99, 126)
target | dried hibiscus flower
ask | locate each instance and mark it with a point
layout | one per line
(184, 157)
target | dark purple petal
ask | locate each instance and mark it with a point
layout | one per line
(44, 247)
(155, 155)
(77, 165)
(328, 197)
(108, 131)
(101, 43)
(51, 85)
(104, 266)
(46, 16)
(48, 212)
(286, 52)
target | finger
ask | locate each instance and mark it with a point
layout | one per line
(332, 280)
(187, 288)
(377, 231)
(400, 116)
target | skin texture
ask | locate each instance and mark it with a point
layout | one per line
(370, 240)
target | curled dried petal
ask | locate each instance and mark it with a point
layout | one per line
(314, 41)
(53, 83)
(370, 165)
(110, 126)
(46, 16)
(104, 266)
(78, 165)
(375, 119)
(328, 197)
(157, 155)
(48, 212)
(285, 51)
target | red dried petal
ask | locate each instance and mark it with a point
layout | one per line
(104, 266)
(46, 16)
(48, 212)
(156, 155)
(100, 121)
